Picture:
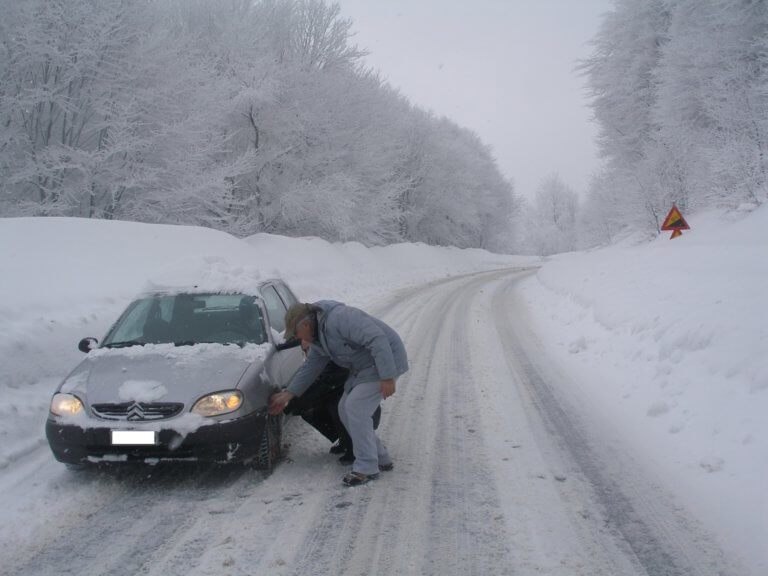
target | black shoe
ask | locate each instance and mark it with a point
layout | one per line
(356, 478)
(386, 467)
(337, 449)
(347, 458)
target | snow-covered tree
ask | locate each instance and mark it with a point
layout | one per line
(712, 102)
(247, 116)
(622, 80)
(104, 114)
(551, 220)
(679, 95)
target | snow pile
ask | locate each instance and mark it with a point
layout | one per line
(668, 343)
(198, 354)
(67, 278)
(142, 390)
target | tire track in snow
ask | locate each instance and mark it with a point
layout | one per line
(127, 533)
(467, 531)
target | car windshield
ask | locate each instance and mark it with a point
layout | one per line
(185, 319)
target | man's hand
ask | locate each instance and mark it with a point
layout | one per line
(278, 402)
(387, 388)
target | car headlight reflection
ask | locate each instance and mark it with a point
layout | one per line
(66, 405)
(219, 403)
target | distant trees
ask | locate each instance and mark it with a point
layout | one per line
(550, 221)
(679, 94)
(104, 117)
(243, 116)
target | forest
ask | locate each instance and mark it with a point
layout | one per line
(680, 95)
(244, 116)
(261, 116)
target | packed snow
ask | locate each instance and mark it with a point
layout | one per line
(664, 343)
(200, 353)
(142, 390)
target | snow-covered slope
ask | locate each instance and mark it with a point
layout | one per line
(668, 342)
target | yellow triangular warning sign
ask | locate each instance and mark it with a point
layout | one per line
(675, 221)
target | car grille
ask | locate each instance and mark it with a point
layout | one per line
(137, 410)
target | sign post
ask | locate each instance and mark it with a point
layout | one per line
(675, 222)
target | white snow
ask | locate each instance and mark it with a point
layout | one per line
(141, 390)
(664, 343)
(199, 353)
(668, 343)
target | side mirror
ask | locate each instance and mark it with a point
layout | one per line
(87, 344)
(292, 343)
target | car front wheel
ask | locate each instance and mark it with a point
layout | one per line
(270, 448)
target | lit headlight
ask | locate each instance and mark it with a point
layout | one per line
(66, 405)
(219, 403)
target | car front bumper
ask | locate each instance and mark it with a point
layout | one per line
(227, 441)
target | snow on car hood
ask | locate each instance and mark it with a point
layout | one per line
(161, 372)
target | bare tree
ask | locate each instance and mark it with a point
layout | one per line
(679, 94)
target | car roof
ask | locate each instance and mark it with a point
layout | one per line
(253, 290)
(175, 290)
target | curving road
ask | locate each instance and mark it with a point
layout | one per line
(499, 470)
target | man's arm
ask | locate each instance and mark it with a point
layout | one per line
(309, 371)
(312, 368)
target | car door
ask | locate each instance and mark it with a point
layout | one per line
(291, 359)
(289, 299)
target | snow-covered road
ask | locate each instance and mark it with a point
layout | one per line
(499, 469)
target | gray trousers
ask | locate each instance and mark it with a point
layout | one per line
(356, 409)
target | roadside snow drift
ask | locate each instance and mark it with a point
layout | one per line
(668, 342)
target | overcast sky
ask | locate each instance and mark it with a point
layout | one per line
(503, 68)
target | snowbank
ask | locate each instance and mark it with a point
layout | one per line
(668, 341)
(67, 278)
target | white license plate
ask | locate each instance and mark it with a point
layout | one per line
(134, 437)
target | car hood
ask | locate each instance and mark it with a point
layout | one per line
(160, 373)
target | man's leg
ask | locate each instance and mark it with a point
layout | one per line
(345, 442)
(322, 421)
(358, 408)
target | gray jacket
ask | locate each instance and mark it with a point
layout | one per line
(365, 345)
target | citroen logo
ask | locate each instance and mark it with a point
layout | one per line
(135, 412)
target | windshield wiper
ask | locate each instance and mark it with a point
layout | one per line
(125, 344)
(241, 343)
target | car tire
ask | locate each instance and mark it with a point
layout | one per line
(270, 448)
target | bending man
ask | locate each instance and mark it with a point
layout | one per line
(375, 357)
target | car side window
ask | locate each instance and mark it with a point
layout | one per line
(286, 294)
(275, 308)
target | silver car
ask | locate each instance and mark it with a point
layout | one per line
(183, 375)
